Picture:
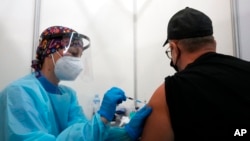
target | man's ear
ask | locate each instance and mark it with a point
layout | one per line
(173, 44)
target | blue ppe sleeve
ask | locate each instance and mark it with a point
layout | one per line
(94, 130)
(21, 118)
(28, 112)
(117, 134)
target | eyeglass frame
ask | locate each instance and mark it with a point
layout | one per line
(169, 53)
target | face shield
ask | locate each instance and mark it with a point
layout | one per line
(75, 40)
(75, 45)
(71, 41)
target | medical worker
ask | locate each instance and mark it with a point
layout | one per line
(38, 108)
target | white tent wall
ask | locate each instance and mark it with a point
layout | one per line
(16, 34)
(242, 32)
(126, 40)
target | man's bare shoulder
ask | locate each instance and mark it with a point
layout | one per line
(158, 126)
(158, 99)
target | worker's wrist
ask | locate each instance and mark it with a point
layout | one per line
(104, 120)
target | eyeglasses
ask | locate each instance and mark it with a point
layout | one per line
(168, 53)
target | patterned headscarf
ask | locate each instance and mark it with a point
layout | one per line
(49, 43)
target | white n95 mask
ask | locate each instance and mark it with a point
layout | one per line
(68, 68)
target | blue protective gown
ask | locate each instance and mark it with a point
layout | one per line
(33, 109)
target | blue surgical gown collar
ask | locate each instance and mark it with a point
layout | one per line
(47, 85)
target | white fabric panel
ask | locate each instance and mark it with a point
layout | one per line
(243, 14)
(16, 35)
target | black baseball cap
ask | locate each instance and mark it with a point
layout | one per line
(189, 23)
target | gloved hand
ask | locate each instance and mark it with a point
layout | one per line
(135, 126)
(111, 99)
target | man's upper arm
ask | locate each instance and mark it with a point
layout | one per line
(158, 126)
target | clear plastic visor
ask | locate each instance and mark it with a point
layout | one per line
(74, 44)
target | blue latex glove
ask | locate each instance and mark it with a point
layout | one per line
(135, 126)
(111, 99)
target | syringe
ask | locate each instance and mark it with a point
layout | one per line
(136, 100)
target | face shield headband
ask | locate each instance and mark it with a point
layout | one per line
(72, 39)
(49, 44)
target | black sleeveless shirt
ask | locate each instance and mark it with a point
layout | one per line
(210, 99)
